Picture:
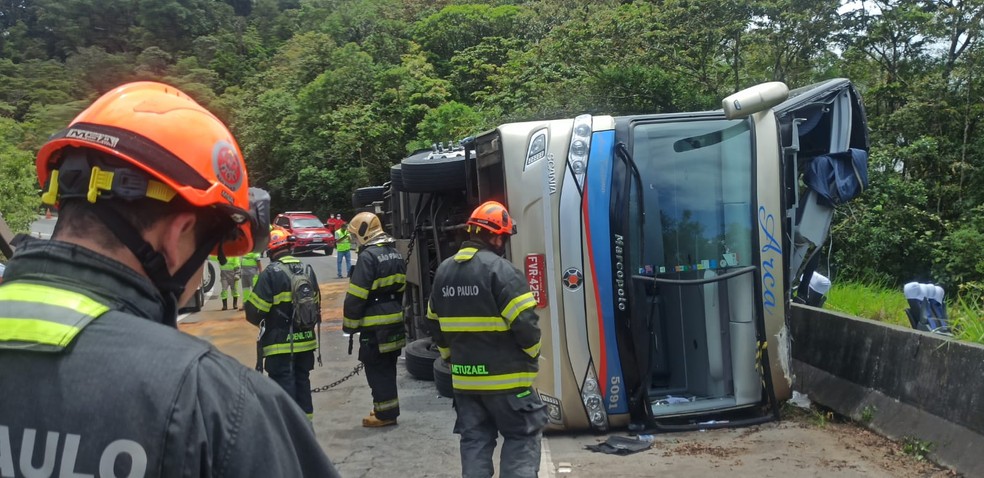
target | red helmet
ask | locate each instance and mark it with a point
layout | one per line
(181, 147)
(493, 217)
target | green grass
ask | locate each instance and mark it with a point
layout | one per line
(884, 304)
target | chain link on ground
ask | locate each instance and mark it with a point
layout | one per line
(354, 372)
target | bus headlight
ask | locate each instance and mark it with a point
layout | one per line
(580, 145)
(593, 402)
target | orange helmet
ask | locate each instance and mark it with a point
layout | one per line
(279, 238)
(171, 146)
(493, 217)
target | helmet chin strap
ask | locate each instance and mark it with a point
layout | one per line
(171, 286)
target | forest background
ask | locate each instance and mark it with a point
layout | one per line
(325, 95)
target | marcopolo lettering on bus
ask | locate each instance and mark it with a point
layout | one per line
(26, 463)
(459, 290)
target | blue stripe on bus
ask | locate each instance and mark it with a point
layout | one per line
(599, 187)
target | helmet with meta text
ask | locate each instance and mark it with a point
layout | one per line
(493, 217)
(150, 140)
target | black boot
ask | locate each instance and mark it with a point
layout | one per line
(235, 301)
(225, 304)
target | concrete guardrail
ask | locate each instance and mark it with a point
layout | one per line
(906, 383)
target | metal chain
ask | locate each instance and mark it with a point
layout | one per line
(413, 239)
(354, 372)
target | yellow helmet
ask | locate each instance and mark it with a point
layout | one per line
(364, 227)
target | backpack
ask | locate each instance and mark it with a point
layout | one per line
(305, 297)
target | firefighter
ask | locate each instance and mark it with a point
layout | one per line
(250, 266)
(147, 184)
(287, 354)
(374, 309)
(229, 274)
(481, 315)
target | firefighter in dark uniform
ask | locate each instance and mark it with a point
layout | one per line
(147, 184)
(482, 318)
(288, 360)
(374, 309)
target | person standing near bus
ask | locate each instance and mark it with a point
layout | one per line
(343, 248)
(251, 268)
(229, 274)
(482, 317)
(374, 308)
(147, 184)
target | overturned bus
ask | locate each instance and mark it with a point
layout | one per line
(662, 249)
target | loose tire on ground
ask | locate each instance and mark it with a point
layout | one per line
(428, 171)
(420, 358)
(369, 195)
(442, 378)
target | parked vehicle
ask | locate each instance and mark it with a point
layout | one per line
(663, 249)
(197, 301)
(310, 234)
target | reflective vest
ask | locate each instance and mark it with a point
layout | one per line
(343, 241)
(250, 259)
(374, 301)
(482, 316)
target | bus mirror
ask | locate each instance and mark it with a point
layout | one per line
(754, 99)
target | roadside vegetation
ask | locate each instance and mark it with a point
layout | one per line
(326, 95)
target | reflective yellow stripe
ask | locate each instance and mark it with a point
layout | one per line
(387, 281)
(278, 349)
(44, 318)
(374, 320)
(36, 331)
(517, 305)
(43, 294)
(430, 312)
(465, 254)
(260, 304)
(493, 382)
(473, 324)
(351, 323)
(392, 346)
(281, 298)
(533, 351)
(358, 291)
(387, 405)
(445, 352)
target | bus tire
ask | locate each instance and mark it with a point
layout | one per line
(368, 195)
(208, 277)
(442, 378)
(396, 177)
(420, 358)
(425, 172)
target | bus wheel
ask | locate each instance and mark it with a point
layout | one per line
(442, 378)
(420, 358)
(396, 177)
(369, 195)
(432, 171)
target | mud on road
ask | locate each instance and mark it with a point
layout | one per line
(804, 444)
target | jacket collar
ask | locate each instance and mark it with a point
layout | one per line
(68, 266)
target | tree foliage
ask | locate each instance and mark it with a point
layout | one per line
(325, 95)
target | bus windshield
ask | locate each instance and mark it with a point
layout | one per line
(696, 180)
(691, 256)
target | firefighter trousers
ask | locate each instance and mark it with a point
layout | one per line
(381, 375)
(520, 419)
(296, 384)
